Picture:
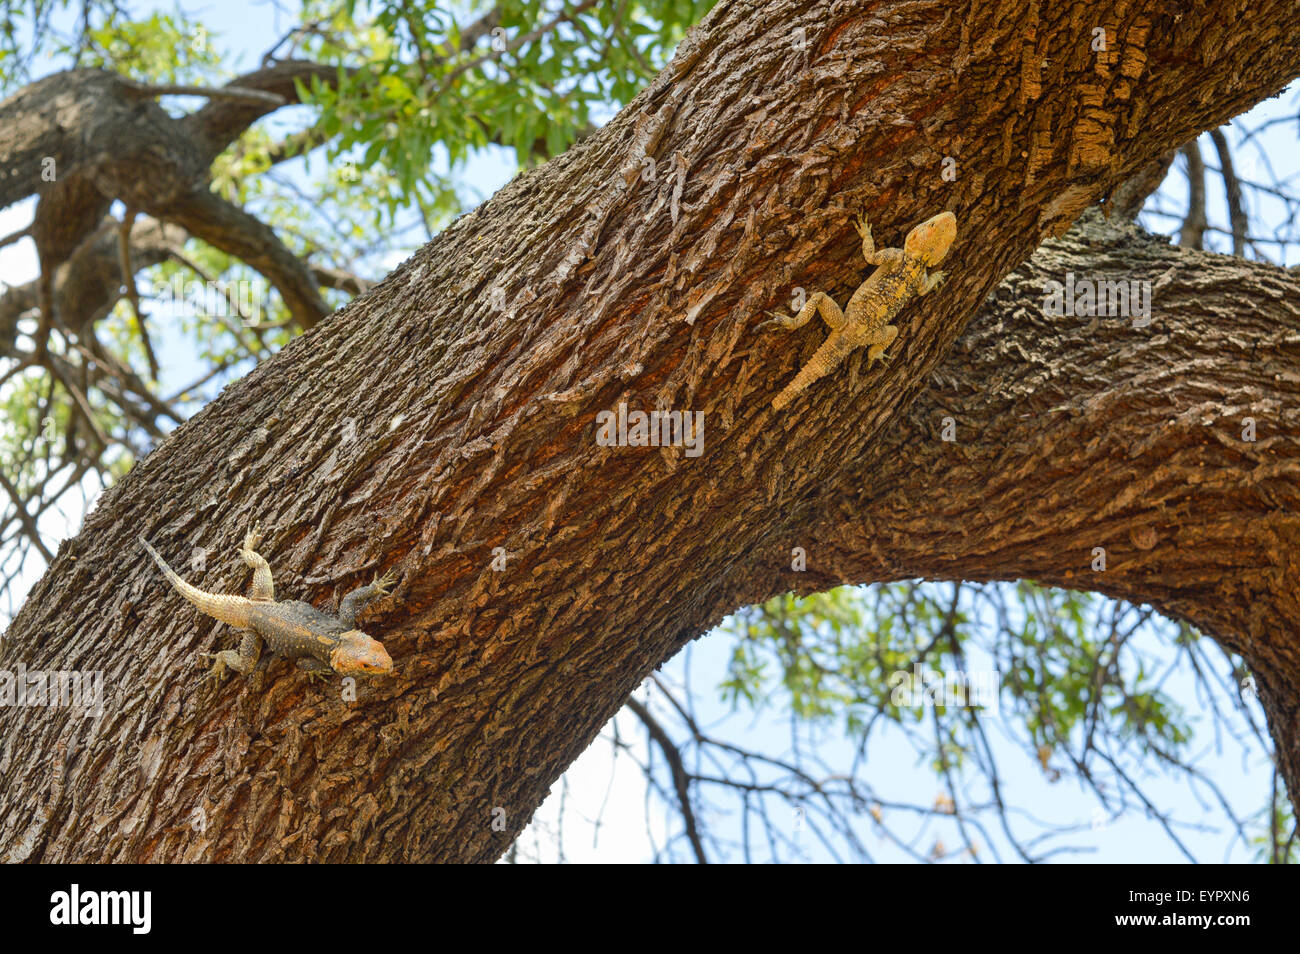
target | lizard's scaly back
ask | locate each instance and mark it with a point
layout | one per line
(235, 610)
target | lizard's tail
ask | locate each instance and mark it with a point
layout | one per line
(229, 609)
(826, 357)
(789, 393)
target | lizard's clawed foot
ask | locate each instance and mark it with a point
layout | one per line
(934, 281)
(217, 674)
(315, 669)
(253, 537)
(380, 585)
(863, 226)
(778, 319)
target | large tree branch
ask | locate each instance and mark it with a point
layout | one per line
(222, 120)
(231, 229)
(88, 284)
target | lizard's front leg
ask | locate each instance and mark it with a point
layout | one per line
(355, 600)
(889, 258)
(263, 588)
(932, 282)
(315, 668)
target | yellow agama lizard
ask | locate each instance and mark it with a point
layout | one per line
(900, 276)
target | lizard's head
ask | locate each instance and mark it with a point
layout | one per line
(931, 240)
(357, 652)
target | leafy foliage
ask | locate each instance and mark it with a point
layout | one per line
(424, 86)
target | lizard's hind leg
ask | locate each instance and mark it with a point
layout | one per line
(242, 661)
(876, 349)
(263, 588)
(818, 302)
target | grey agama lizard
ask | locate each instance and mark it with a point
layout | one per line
(290, 628)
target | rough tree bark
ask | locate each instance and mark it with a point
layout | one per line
(451, 410)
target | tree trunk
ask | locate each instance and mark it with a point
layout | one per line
(452, 411)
